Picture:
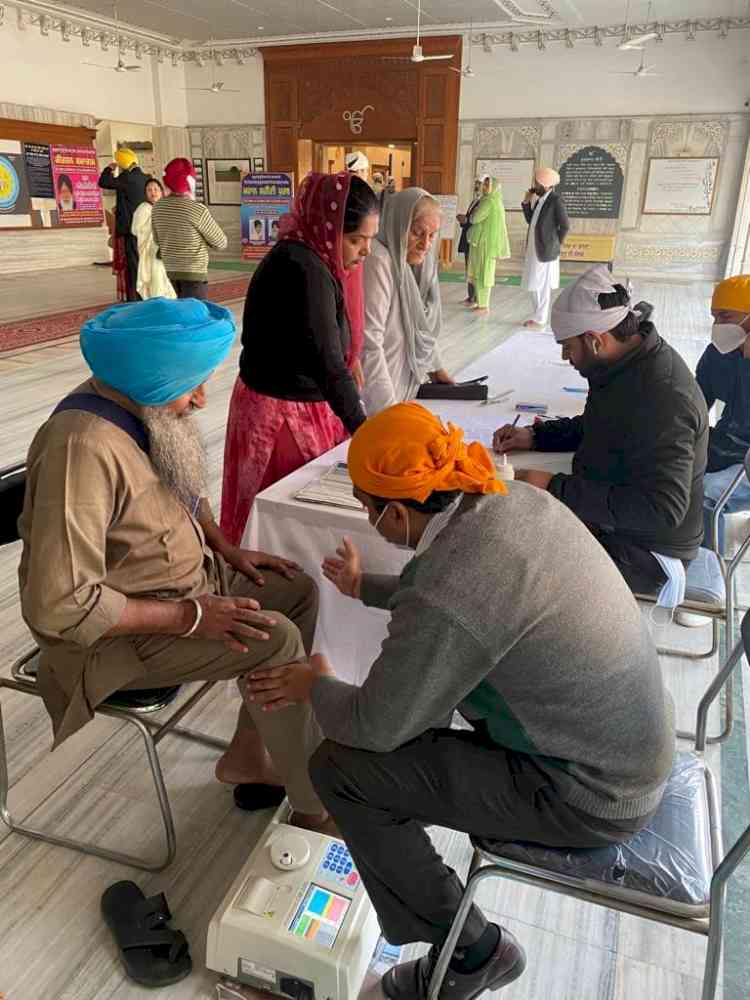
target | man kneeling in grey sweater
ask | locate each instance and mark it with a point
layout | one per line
(511, 613)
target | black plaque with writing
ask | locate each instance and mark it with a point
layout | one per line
(38, 170)
(591, 182)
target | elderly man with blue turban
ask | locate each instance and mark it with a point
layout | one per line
(126, 580)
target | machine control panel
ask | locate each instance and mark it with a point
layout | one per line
(337, 866)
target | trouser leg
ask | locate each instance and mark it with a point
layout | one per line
(290, 735)
(131, 267)
(381, 801)
(541, 302)
(641, 571)
(190, 289)
(483, 293)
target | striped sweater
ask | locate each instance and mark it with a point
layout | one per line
(184, 230)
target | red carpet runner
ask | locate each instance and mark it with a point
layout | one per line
(41, 329)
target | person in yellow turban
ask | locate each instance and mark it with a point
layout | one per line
(723, 373)
(125, 177)
(498, 616)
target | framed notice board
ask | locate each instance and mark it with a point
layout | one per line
(515, 176)
(681, 185)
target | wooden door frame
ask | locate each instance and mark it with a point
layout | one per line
(435, 125)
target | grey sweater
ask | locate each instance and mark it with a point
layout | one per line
(516, 615)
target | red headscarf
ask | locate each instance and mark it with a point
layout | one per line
(317, 220)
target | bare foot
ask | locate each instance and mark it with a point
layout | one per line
(231, 771)
(246, 761)
(317, 824)
(531, 325)
(480, 311)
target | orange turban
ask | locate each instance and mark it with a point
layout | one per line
(406, 453)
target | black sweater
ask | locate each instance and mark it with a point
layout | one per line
(640, 452)
(295, 334)
(130, 186)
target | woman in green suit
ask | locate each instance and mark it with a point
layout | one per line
(488, 241)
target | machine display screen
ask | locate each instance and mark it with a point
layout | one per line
(320, 916)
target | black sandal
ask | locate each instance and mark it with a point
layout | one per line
(152, 953)
(253, 797)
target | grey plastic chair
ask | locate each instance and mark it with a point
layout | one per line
(673, 872)
(711, 592)
(133, 707)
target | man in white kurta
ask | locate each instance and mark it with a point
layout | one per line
(541, 274)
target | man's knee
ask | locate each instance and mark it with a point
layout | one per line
(306, 590)
(284, 643)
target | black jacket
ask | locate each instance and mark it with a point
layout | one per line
(640, 452)
(130, 186)
(295, 334)
(463, 242)
(551, 228)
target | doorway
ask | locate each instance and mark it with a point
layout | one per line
(390, 160)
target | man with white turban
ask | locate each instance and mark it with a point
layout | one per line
(548, 227)
(640, 444)
(357, 163)
(126, 580)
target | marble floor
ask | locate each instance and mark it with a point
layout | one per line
(53, 944)
(23, 296)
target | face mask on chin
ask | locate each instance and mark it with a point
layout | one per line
(727, 337)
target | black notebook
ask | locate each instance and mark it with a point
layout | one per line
(439, 390)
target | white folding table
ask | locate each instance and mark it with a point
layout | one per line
(348, 633)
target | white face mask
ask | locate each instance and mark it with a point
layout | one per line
(406, 545)
(728, 337)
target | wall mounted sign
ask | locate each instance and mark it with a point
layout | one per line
(15, 206)
(591, 183)
(224, 179)
(356, 118)
(265, 198)
(515, 176)
(683, 185)
(588, 249)
(38, 170)
(449, 206)
(75, 174)
(200, 185)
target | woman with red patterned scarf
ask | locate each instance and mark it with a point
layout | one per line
(297, 394)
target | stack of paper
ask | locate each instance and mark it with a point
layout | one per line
(333, 489)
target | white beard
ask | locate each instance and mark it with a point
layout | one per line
(178, 453)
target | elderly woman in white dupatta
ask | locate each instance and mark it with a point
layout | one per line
(403, 314)
(152, 275)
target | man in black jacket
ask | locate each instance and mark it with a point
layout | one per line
(130, 185)
(640, 445)
(548, 227)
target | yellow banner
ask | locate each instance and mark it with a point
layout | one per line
(588, 249)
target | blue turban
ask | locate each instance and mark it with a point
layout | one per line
(157, 350)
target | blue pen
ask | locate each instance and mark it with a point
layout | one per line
(573, 388)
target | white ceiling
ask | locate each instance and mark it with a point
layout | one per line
(201, 20)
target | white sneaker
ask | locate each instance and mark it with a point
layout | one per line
(689, 620)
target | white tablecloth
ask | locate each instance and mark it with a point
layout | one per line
(348, 633)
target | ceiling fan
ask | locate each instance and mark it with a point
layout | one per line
(643, 70)
(120, 67)
(635, 42)
(417, 55)
(217, 86)
(466, 71)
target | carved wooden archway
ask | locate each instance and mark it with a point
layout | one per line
(368, 93)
